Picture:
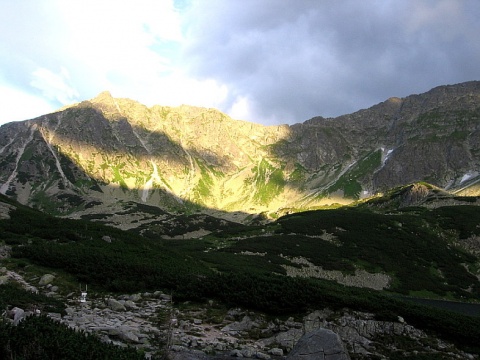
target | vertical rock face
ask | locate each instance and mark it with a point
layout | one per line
(109, 150)
(319, 344)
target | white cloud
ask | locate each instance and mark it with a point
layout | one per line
(55, 86)
(265, 61)
(174, 90)
(127, 42)
(18, 105)
(133, 49)
(241, 108)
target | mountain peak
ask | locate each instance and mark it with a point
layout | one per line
(103, 97)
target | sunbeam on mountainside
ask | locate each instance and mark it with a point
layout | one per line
(196, 159)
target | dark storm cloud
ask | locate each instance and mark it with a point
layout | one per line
(296, 59)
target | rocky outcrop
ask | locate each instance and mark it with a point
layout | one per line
(116, 305)
(5, 210)
(361, 278)
(16, 315)
(46, 279)
(319, 344)
(148, 321)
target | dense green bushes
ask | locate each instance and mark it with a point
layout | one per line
(117, 266)
(41, 338)
(13, 295)
(417, 249)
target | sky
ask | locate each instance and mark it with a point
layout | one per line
(265, 61)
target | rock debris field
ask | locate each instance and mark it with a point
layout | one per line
(154, 323)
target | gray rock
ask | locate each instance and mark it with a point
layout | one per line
(115, 305)
(55, 316)
(245, 325)
(165, 297)
(319, 344)
(285, 339)
(113, 331)
(219, 346)
(316, 319)
(248, 352)
(17, 314)
(236, 353)
(69, 311)
(178, 348)
(129, 304)
(276, 352)
(4, 249)
(188, 355)
(129, 337)
(46, 279)
(135, 297)
(79, 319)
(261, 355)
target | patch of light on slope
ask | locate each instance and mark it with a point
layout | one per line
(467, 176)
(387, 156)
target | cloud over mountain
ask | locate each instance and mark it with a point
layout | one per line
(264, 61)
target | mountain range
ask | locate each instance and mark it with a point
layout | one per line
(121, 162)
(360, 220)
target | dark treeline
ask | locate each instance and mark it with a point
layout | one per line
(41, 338)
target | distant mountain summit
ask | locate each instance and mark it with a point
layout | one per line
(118, 160)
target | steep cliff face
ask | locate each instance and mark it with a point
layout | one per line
(106, 151)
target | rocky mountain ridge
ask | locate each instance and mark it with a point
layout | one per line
(106, 155)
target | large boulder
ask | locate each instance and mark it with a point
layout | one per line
(115, 305)
(46, 279)
(246, 324)
(130, 305)
(17, 314)
(128, 336)
(319, 344)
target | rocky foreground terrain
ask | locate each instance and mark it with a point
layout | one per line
(155, 323)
